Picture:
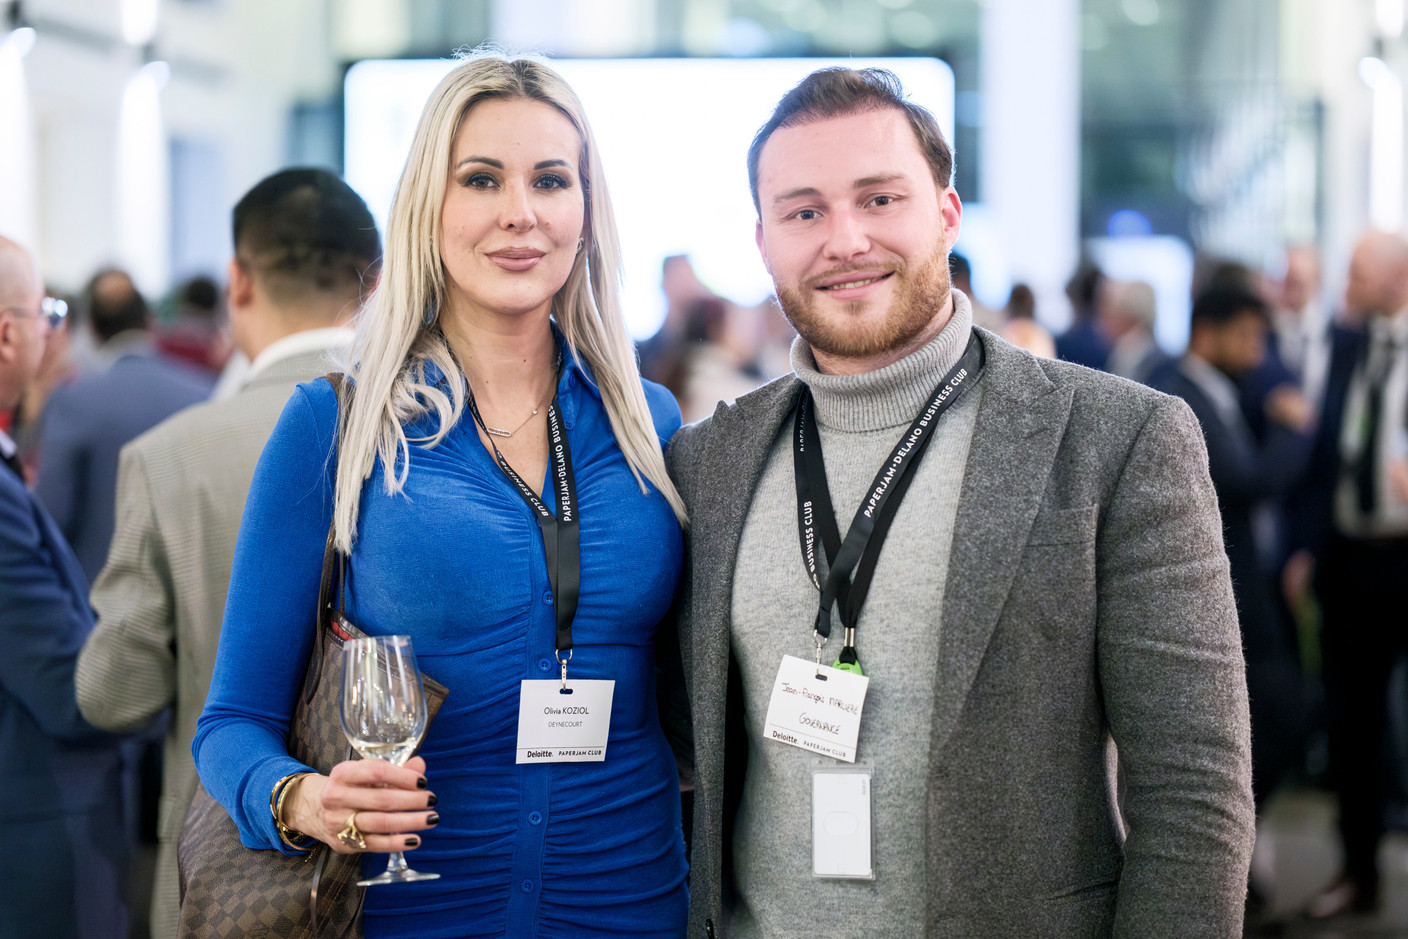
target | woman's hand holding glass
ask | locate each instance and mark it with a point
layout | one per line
(391, 803)
(377, 803)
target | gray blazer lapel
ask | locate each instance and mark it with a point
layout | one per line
(1021, 421)
(740, 439)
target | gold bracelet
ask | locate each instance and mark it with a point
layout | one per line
(276, 806)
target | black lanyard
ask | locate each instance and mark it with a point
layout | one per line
(561, 547)
(860, 551)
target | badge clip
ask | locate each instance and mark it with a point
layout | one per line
(848, 660)
(820, 641)
(563, 662)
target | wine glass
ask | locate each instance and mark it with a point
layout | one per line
(384, 716)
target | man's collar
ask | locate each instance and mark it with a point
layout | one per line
(1212, 381)
(308, 340)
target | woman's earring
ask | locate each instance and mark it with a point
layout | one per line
(581, 243)
(431, 311)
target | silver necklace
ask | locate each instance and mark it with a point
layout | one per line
(500, 432)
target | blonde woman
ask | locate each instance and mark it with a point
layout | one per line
(495, 332)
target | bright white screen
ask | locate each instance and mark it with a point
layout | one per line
(674, 136)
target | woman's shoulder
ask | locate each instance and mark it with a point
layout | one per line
(664, 410)
(309, 414)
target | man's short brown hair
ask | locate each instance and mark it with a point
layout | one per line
(839, 92)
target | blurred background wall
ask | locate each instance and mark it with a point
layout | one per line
(1140, 132)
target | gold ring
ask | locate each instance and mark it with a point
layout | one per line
(351, 835)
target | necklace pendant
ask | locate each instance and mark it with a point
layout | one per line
(498, 431)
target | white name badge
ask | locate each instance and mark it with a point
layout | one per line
(841, 831)
(558, 727)
(816, 707)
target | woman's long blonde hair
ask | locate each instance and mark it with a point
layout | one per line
(393, 345)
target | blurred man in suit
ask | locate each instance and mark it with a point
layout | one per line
(1299, 337)
(127, 389)
(86, 423)
(61, 819)
(1227, 340)
(1297, 343)
(306, 252)
(1360, 563)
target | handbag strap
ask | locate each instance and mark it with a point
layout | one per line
(334, 561)
(334, 572)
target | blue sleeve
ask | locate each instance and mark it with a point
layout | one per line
(270, 616)
(44, 619)
(664, 411)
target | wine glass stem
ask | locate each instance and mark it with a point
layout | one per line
(395, 862)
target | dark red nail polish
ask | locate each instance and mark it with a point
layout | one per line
(421, 783)
(432, 819)
(430, 800)
(412, 842)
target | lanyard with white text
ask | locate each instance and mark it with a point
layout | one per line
(860, 551)
(561, 547)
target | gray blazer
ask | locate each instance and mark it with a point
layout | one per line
(1087, 600)
(161, 597)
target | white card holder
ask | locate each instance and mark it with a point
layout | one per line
(843, 835)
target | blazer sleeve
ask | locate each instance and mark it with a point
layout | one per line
(270, 616)
(1172, 675)
(127, 669)
(43, 621)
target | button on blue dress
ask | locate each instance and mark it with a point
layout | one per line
(456, 562)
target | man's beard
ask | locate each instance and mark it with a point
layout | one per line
(921, 297)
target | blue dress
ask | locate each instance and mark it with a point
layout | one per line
(456, 562)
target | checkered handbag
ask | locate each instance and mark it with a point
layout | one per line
(230, 890)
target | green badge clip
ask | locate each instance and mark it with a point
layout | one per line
(847, 661)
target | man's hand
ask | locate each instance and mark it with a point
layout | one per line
(1285, 405)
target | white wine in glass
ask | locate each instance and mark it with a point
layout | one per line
(384, 716)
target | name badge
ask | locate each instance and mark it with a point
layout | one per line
(557, 726)
(841, 830)
(816, 707)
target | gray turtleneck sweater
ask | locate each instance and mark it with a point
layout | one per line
(861, 418)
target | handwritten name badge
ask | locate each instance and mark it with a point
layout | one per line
(817, 708)
(564, 728)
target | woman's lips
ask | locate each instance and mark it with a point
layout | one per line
(516, 259)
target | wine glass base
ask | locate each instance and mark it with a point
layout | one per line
(397, 877)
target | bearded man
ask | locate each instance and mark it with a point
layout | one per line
(1023, 556)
